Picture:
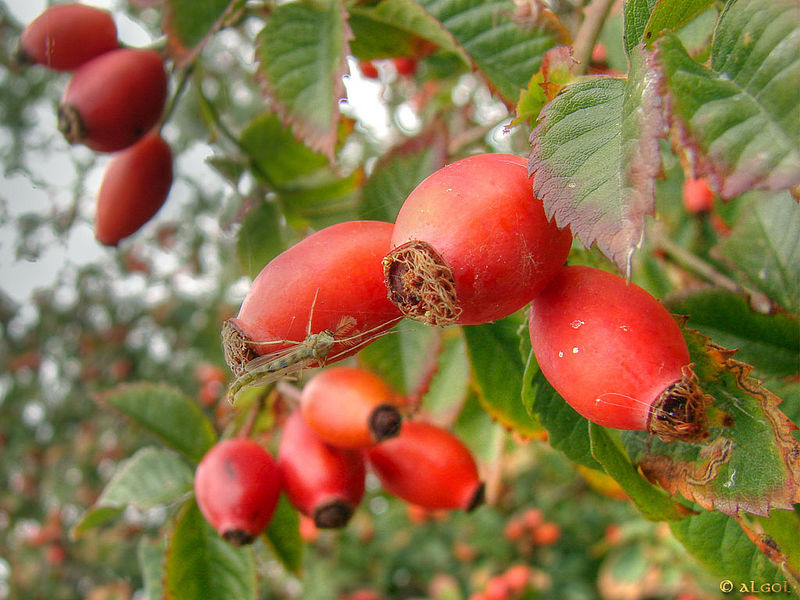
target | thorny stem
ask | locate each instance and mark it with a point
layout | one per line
(595, 15)
(694, 263)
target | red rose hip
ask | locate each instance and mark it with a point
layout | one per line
(321, 481)
(114, 99)
(64, 36)
(471, 243)
(350, 407)
(616, 355)
(319, 301)
(427, 466)
(237, 485)
(135, 185)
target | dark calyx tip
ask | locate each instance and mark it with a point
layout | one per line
(477, 498)
(421, 284)
(680, 411)
(333, 514)
(385, 422)
(238, 537)
(70, 124)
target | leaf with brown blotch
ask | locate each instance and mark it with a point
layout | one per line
(751, 460)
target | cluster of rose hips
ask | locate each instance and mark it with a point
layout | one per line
(511, 583)
(470, 245)
(347, 419)
(112, 103)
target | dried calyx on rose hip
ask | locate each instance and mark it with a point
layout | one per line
(350, 407)
(471, 244)
(616, 355)
(319, 301)
(237, 485)
(322, 481)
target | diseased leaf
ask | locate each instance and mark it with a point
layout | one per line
(738, 123)
(200, 565)
(764, 250)
(750, 461)
(188, 25)
(556, 72)
(497, 369)
(302, 52)
(718, 542)
(151, 477)
(771, 343)
(594, 157)
(398, 172)
(283, 536)
(166, 413)
(505, 42)
(651, 501)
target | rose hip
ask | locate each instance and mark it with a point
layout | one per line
(321, 481)
(428, 466)
(616, 355)
(471, 243)
(114, 99)
(64, 36)
(350, 407)
(135, 186)
(237, 485)
(330, 281)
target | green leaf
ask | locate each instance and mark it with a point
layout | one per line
(764, 250)
(324, 198)
(397, 28)
(771, 343)
(283, 536)
(671, 15)
(739, 121)
(151, 555)
(302, 53)
(636, 15)
(166, 413)
(567, 431)
(261, 238)
(450, 385)
(497, 370)
(278, 156)
(594, 157)
(188, 24)
(397, 173)
(503, 45)
(200, 565)
(651, 501)
(718, 542)
(151, 477)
